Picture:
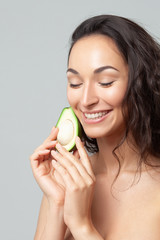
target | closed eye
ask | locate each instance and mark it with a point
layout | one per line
(75, 85)
(106, 84)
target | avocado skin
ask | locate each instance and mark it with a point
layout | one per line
(79, 130)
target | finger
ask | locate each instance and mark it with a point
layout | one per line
(47, 145)
(58, 178)
(67, 178)
(69, 166)
(37, 157)
(76, 154)
(73, 165)
(84, 156)
(69, 157)
(53, 134)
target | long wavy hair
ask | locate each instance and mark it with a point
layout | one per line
(142, 98)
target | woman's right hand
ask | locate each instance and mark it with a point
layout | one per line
(43, 171)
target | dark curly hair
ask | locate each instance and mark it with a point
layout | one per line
(142, 98)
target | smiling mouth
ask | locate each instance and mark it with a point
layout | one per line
(97, 115)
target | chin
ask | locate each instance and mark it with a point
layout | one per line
(101, 132)
(95, 133)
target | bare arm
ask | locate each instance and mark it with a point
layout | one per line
(42, 218)
(61, 203)
(50, 222)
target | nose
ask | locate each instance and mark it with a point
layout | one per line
(89, 96)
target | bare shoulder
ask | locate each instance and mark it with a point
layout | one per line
(154, 172)
(152, 181)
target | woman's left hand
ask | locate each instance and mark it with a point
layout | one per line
(79, 181)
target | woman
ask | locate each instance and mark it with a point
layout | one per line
(114, 89)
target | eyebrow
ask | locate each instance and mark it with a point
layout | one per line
(97, 70)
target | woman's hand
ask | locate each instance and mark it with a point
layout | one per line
(79, 181)
(41, 163)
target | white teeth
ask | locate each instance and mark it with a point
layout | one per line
(95, 115)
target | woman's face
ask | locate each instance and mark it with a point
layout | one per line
(97, 81)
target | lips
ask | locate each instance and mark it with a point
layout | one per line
(95, 116)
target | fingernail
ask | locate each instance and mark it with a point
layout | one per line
(58, 146)
(54, 162)
(53, 128)
(54, 152)
(78, 139)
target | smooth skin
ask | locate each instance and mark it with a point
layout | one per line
(79, 200)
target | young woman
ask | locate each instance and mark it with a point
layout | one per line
(114, 89)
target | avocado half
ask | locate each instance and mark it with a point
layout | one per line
(69, 127)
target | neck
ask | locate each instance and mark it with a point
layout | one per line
(127, 155)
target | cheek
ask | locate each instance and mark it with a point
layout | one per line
(69, 97)
(115, 96)
(72, 97)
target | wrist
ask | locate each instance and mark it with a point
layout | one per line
(55, 211)
(59, 205)
(86, 231)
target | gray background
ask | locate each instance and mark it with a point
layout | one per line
(34, 42)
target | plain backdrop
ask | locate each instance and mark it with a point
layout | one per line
(34, 43)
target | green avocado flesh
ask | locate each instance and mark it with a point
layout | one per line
(69, 128)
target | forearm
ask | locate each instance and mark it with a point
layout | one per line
(55, 227)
